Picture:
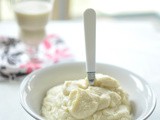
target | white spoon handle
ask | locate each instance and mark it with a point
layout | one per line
(90, 35)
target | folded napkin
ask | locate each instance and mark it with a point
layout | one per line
(18, 59)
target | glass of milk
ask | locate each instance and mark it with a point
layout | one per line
(32, 17)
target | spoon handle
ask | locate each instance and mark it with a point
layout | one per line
(90, 35)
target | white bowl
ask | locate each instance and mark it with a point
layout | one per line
(35, 86)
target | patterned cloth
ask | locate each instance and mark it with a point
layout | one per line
(17, 59)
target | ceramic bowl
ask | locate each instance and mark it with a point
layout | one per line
(34, 87)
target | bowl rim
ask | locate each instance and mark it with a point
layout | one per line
(22, 101)
(38, 117)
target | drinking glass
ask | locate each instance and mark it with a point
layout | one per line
(32, 17)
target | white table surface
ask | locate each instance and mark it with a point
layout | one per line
(133, 45)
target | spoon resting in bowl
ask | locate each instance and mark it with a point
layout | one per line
(90, 35)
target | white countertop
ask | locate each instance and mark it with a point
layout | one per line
(133, 45)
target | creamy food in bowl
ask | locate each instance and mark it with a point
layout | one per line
(123, 95)
(77, 100)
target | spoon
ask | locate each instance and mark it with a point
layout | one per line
(89, 29)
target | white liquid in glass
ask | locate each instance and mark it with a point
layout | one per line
(32, 15)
